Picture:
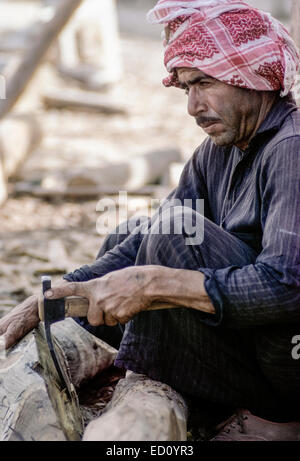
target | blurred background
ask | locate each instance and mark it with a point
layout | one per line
(85, 116)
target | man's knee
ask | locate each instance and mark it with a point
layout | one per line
(179, 221)
(120, 233)
(173, 231)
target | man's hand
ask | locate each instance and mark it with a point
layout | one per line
(120, 295)
(114, 298)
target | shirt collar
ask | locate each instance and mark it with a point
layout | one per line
(273, 121)
(278, 113)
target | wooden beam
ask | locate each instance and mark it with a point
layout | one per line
(46, 33)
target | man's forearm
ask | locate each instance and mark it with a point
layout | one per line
(179, 286)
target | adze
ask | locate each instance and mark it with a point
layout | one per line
(55, 310)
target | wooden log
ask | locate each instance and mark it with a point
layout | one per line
(81, 101)
(86, 355)
(83, 192)
(141, 410)
(45, 34)
(33, 406)
(129, 174)
(26, 412)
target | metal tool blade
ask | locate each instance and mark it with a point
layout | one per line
(49, 319)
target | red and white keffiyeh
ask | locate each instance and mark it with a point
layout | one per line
(228, 40)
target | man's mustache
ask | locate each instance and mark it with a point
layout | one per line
(202, 120)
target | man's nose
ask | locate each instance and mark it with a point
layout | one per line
(196, 102)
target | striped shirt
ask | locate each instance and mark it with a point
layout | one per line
(254, 195)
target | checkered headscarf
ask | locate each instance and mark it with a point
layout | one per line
(228, 40)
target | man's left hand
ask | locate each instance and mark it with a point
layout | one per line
(114, 298)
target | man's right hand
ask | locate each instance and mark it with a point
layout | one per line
(18, 322)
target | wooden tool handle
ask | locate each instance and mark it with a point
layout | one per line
(76, 306)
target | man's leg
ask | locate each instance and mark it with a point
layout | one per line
(211, 363)
(111, 335)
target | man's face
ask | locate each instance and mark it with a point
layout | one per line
(225, 112)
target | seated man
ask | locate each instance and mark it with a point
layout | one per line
(232, 272)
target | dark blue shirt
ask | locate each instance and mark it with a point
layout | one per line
(255, 195)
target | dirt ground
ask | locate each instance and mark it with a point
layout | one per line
(56, 236)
